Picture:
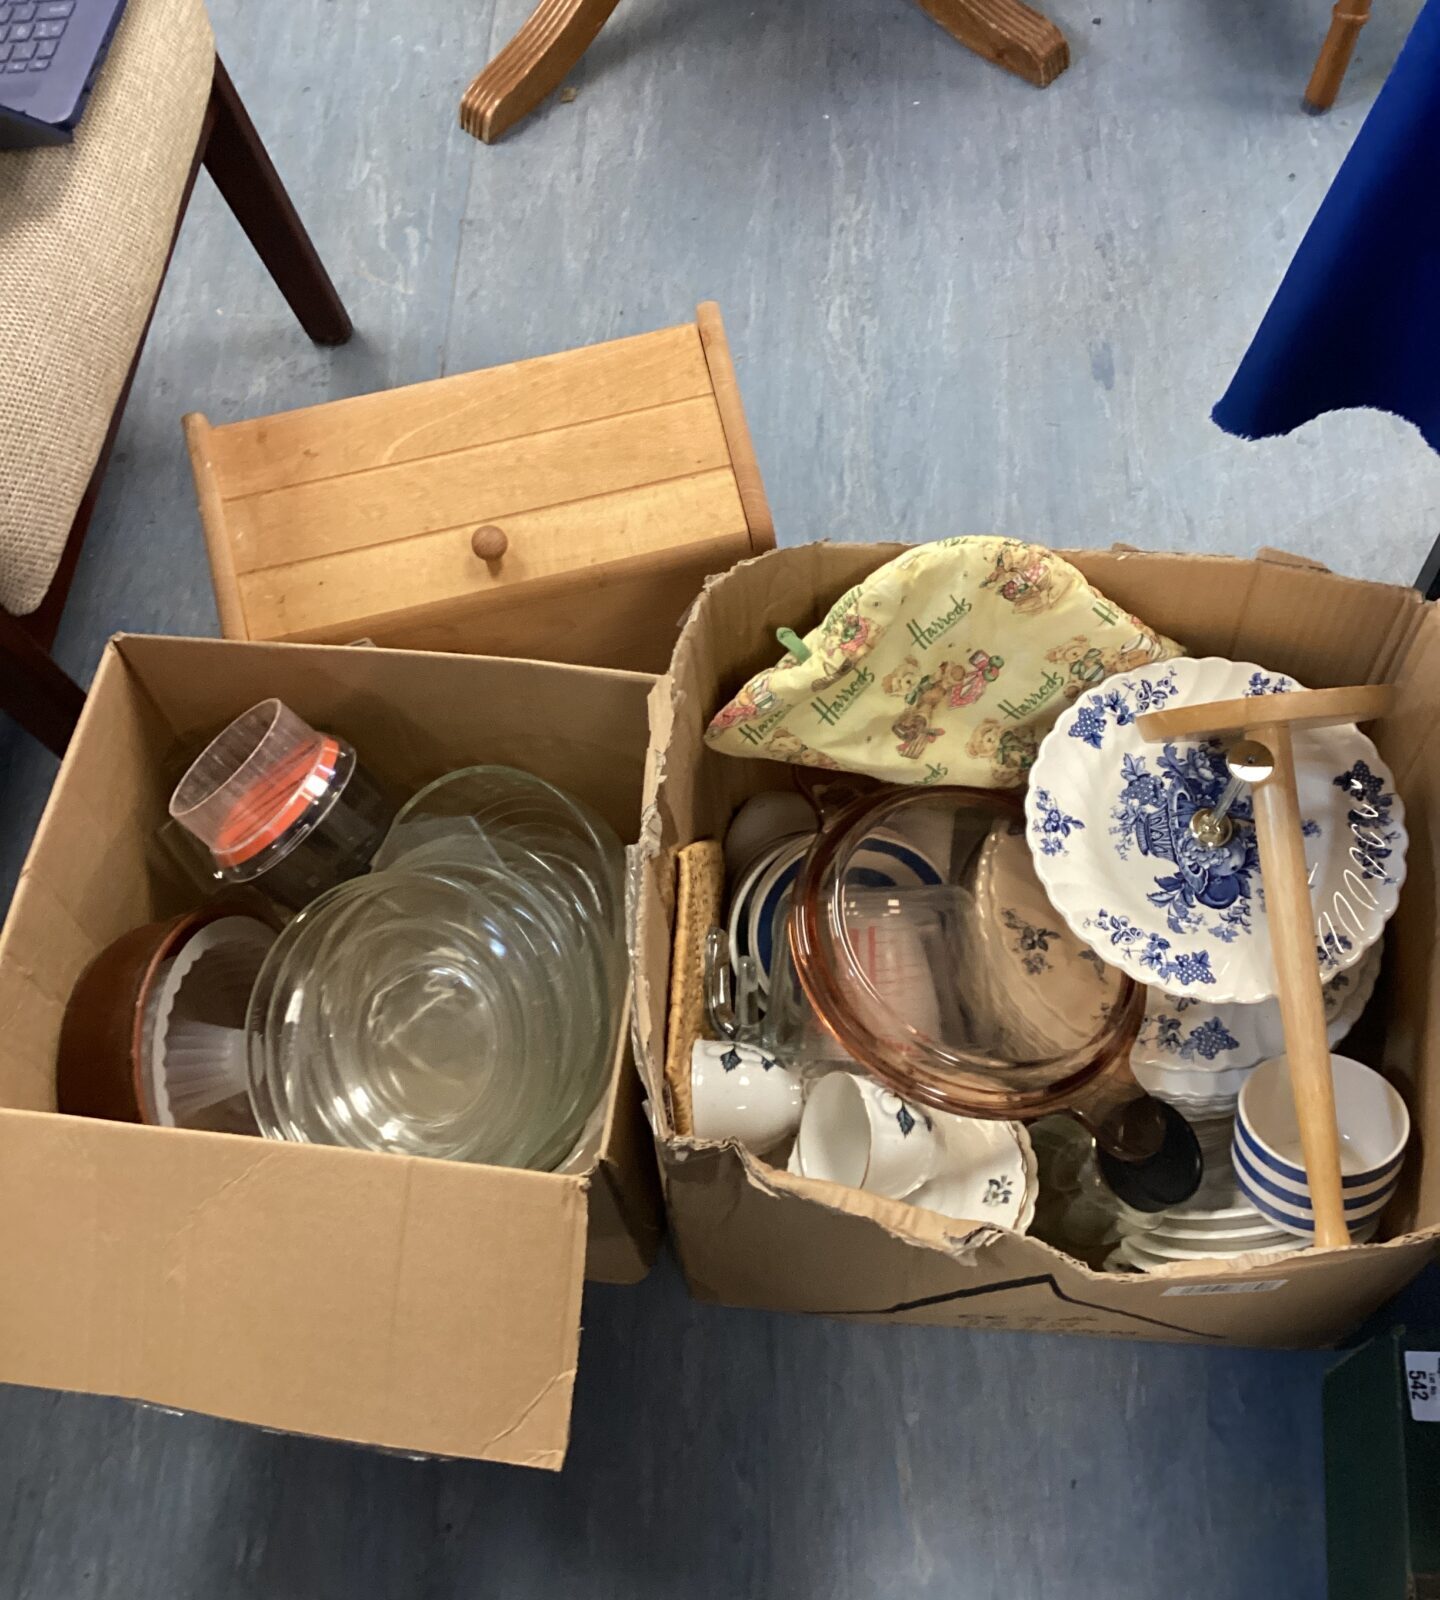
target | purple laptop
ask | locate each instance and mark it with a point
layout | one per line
(50, 52)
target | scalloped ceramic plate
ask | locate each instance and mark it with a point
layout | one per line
(1107, 816)
(1044, 983)
(1195, 1054)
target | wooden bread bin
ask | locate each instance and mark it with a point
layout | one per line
(567, 508)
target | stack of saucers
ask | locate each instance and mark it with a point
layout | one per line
(1217, 1222)
(1197, 1055)
(756, 920)
(758, 893)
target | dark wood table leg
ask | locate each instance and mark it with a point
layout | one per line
(1331, 65)
(244, 174)
(45, 701)
(535, 62)
(1428, 583)
(1006, 32)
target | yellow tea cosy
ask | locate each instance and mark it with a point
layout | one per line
(946, 665)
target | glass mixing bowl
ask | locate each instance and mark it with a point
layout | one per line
(506, 807)
(464, 999)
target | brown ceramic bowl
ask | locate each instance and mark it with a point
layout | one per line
(98, 1071)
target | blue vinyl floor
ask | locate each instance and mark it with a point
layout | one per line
(956, 304)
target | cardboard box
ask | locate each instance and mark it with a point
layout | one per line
(748, 1234)
(566, 508)
(424, 1305)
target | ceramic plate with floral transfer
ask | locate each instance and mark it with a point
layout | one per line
(1108, 819)
(1047, 991)
(989, 1174)
(1198, 1055)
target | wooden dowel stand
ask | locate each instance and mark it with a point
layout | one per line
(1276, 805)
(1268, 723)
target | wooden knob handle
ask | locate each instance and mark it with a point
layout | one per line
(489, 543)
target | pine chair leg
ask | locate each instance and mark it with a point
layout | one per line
(1331, 64)
(37, 693)
(535, 62)
(1006, 32)
(246, 177)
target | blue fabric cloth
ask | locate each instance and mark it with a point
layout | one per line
(1356, 321)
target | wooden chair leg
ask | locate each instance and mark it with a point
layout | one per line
(41, 698)
(535, 62)
(1006, 32)
(1333, 61)
(1428, 583)
(246, 177)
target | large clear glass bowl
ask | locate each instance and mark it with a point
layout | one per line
(463, 1006)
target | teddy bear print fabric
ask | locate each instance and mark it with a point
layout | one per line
(946, 665)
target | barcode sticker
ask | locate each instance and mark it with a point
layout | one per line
(1264, 1286)
(1422, 1384)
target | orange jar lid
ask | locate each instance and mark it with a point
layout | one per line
(275, 801)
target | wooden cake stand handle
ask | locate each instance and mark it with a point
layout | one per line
(1266, 760)
(1276, 806)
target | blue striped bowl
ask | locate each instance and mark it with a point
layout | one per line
(1374, 1127)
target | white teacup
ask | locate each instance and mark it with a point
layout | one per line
(855, 1132)
(739, 1092)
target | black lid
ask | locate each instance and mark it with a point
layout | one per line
(1166, 1178)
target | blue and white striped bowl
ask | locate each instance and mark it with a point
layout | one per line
(1374, 1127)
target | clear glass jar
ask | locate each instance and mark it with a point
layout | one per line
(281, 806)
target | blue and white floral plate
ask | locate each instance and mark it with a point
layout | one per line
(1108, 813)
(1197, 1055)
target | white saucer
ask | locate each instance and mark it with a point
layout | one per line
(1197, 1055)
(991, 1173)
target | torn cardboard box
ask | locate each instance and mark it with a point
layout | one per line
(419, 1304)
(749, 1234)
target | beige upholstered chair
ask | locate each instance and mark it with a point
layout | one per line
(86, 231)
